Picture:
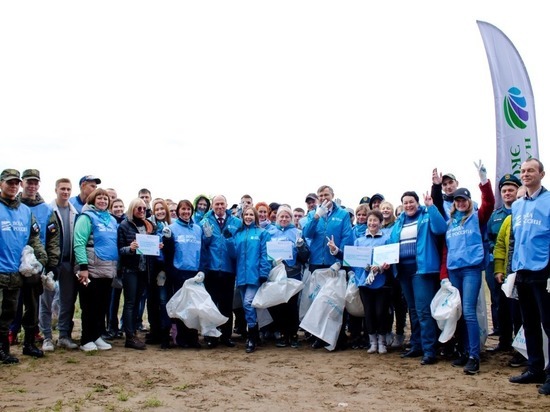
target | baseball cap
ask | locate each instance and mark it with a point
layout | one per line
(31, 174)
(9, 174)
(509, 179)
(376, 196)
(462, 192)
(312, 196)
(449, 175)
(364, 199)
(89, 178)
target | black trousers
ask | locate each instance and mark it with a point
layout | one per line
(221, 285)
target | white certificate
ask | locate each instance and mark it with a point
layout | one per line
(357, 256)
(386, 254)
(279, 249)
(148, 244)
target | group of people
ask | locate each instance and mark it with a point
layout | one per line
(448, 241)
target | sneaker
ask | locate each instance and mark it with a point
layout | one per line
(398, 341)
(460, 361)
(472, 366)
(517, 361)
(66, 343)
(47, 345)
(294, 342)
(102, 345)
(545, 389)
(89, 347)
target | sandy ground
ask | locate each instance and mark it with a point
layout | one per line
(269, 379)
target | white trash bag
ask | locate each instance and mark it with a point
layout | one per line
(509, 286)
(520, 345)
(354, 304)
(446, 308)
(313, 284)
(482, 319)
(325, 315)
(193, 305)
(29, 264)
(278, 288)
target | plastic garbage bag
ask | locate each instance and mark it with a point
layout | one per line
(278, 289)
(312, 285)
(325, 315)
(354, 304)
(193, 305)
(446, 308)
(509, 286)
(29, 264)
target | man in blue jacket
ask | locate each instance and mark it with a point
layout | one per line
(328, 222)
(531, 231)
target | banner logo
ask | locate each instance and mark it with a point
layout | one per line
(514, 109)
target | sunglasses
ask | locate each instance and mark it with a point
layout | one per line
(141, 208)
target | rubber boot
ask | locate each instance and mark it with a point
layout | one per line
(382, 344)
(253, 336)
(5, 356)
(373, 344)
(29, 347)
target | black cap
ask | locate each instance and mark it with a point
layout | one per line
(364, 199)
(376, 196)
(462, 192)
(509, 179)
(312, 196)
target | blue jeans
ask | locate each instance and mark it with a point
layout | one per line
(468, 282)
(419, 290)
(133, 286)
(49, 304)
(114, 305)
(247, 294)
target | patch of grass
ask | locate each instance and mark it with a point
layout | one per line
(17, 390)
(181, 388)
(58, 406)
(98, 387)
(153, 403)
(73, 360)
(123, 396)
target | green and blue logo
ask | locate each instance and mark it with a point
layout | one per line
(514, 109)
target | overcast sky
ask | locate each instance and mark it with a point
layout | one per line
(272, 99)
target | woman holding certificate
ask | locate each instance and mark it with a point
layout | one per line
(285, 315)
(374, 285)
(135, 266)
(248, 246)
(96, 256)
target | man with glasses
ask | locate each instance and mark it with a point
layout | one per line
(19, 228)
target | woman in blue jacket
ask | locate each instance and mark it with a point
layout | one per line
(416, 232)
(286, 315)
(182, 256)
(248, 245)
(465, 263)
